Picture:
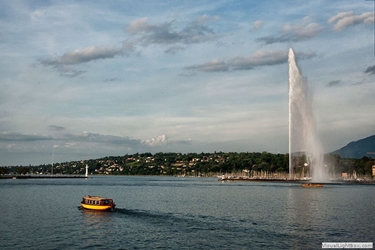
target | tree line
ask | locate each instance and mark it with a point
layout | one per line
(193, 164)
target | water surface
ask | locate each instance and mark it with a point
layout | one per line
(182, 213)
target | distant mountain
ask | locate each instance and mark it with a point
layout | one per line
(358, 149)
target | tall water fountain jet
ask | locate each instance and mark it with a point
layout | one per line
(302, 131)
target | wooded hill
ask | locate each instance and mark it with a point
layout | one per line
(194, 164)
(358, 149)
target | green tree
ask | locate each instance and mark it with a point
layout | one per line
(22, 170)
(3, 170)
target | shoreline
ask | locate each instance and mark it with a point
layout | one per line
(329, 182)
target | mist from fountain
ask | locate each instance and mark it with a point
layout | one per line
(302, 129)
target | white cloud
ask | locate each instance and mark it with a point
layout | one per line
(344, 20)
(138, 26)
(66, 64)
(213, 66)
(158, 141)
(258, 59)
(83, 56)
(304, 30)
(174, 49)
(141, 33)
(165, 33)
(294, 32)
(258, 25)
(206, 18)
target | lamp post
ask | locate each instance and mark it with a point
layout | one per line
(53, 156)
(87, 171)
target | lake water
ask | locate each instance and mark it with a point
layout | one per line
(182, 213)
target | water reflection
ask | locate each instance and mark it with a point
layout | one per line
(304, 205)
(93, 219)
(303, 211)
(95, 213)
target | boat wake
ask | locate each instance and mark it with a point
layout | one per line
(144, 214)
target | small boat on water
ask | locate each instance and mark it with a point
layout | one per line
(312, 185)
(97, 203)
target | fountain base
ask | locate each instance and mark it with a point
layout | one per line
(312, 185)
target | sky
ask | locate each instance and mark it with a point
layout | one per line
(87, 79)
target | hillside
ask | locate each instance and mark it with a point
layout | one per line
(358, 149)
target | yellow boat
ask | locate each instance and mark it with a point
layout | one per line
(97, 203)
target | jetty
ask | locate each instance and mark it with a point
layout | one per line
(46, 176)
(42, 176)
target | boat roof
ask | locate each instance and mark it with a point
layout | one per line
(89, 197)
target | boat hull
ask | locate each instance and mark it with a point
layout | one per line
(97, 207)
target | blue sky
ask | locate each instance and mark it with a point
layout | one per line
(87, 79)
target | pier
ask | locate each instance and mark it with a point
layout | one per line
(42, 176)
